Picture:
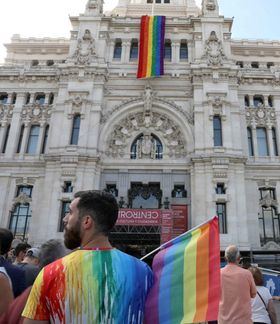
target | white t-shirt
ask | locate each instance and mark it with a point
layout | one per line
(259, 312)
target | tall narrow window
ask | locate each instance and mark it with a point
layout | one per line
(64, 210)
(6, 139)
(75, 130)
(27, 98)
(250, 141)
(262, 141)
(14, 98)
(269, 225)
(270, 101)
(134, 50)
(274, 141)
(21, 213)
(20, 138)
(45, 141)
(33, 139)
(222, 216)
(167, 50)
(246, 101)
(117, 49)
(184, 50)
(51, 98)
(217, 126)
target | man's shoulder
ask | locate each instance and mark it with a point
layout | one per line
(132, 259)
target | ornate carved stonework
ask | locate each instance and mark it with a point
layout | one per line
(36, 113)
(85, 52)
(118, 143)
(260, 116)
(6, 112)
(22, 198)
(214, 52)
(146, 147)
(155, 100)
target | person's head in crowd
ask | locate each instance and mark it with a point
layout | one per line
(257, 275)
(32, 256)
(20, 251)
(232, 254)
(92, 215)
(6, 238)
(51, 251)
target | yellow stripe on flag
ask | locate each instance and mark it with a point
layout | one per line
(150, 47)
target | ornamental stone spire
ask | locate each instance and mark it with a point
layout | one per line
(210, 8)
(94, 7)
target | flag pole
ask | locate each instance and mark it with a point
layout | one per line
(175, 238)
(153, 7)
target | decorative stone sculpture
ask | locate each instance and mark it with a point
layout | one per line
(213, 50)
(85, 51)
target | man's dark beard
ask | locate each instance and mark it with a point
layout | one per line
(72, 236)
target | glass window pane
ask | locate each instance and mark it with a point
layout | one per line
(118, 50)
(183, 51)
(20, 218)
(217, 126)
(33, 139)
(262, 142)
(6, 139)
(134, 50)
(274, 140)
(75, 130)
(64, 210)
(250, 142)
(167, 50)
(45, 139)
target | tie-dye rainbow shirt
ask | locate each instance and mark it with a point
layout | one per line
(91, 286)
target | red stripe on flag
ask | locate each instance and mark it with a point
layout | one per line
(143, 52)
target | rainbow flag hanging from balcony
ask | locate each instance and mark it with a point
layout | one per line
(187, 278)
(151, 53)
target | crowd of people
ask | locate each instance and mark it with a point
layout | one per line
(87, 280)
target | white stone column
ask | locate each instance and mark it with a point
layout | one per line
(15, 126)
(47, 97)
(40, 138)
(123, 56)
(3, 131)
(266, 101)
(32, 98)
(26, 132)
(110, 52)
(251, 100)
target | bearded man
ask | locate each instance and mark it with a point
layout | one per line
(96, 283)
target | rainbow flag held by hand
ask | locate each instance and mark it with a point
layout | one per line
(187, 278)
(151, 54)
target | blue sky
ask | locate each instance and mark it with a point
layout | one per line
(254, 19)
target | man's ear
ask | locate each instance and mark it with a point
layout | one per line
(87, 222)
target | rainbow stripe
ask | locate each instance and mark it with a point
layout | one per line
(91, 287)
(151, 52)
(187, 279)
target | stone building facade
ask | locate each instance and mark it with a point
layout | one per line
(205, 135)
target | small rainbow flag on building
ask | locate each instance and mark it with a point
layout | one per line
(151, 54)
(187, 278)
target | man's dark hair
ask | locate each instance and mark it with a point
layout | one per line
(21, 247)
(101, 206)
(6, 238)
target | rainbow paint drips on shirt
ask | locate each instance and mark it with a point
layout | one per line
(91, 287)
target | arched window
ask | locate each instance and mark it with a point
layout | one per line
(167, 50)
(258, 101)
(40, 98)
(146, 146)
(250, 142)
(75, 130)
(217, 128)
(134, 49)
(118, 49)
(184, 50)
(262, 141)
